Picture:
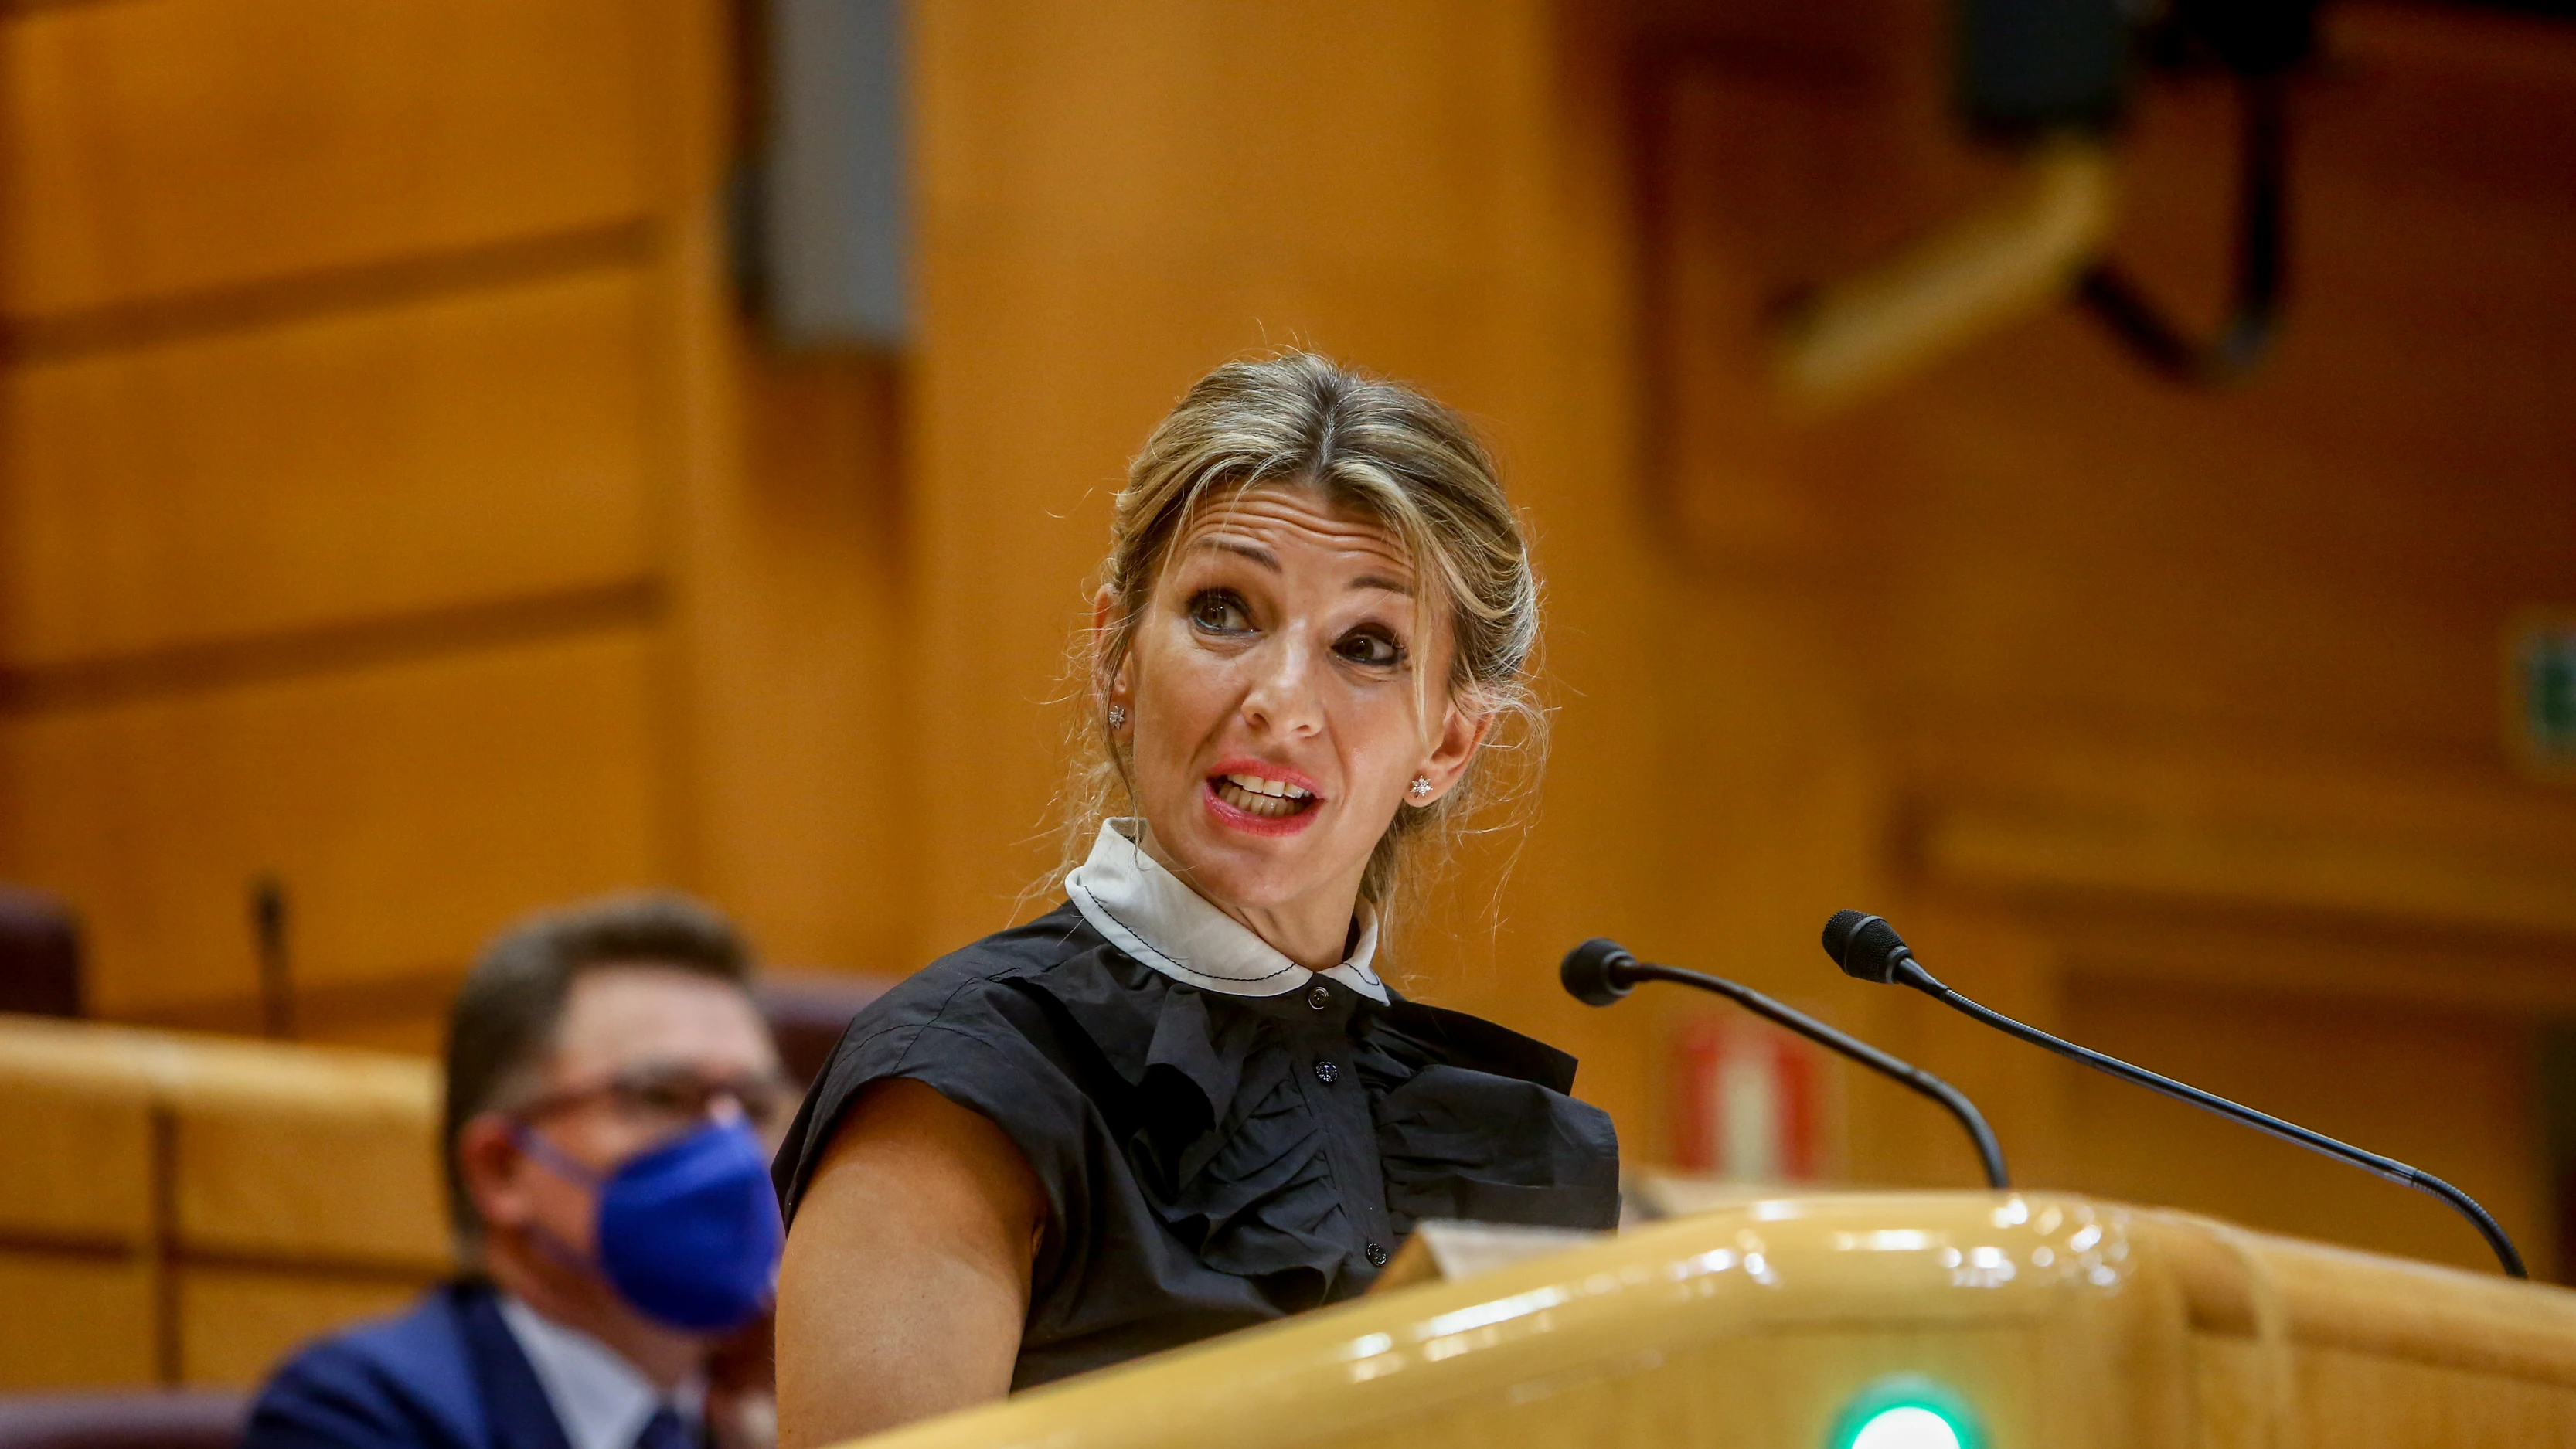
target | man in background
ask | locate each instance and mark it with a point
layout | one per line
(612, 1100)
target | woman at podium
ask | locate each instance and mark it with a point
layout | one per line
(1186, 1100)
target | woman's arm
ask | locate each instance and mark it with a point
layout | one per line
(906, 1279)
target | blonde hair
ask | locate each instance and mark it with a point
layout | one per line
(1391, 454)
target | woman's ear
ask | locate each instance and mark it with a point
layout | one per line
(1104, 628)
(1463, 729)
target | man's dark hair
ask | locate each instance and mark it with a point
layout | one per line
(503, 1022)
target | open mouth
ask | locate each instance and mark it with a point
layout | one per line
(1262, 798)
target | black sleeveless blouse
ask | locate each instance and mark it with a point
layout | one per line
(1213, 1161)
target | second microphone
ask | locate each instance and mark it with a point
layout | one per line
(1601, 971)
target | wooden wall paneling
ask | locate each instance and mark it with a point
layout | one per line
(1761, 812)
(728, 839)
(2447, 1091)
(158, 147)
(236, 1325)
(2322, 559)
(448, 451)
(1771, 151)
(2359, 839)
(76, 1321)
(782, 686)
(1999, 957)
(2224, 573)
(2326, 559)
(2209, 674)
(1711, 792)
(2293, 954)
(1760, 177)
(356, 366)
(801, 697)
(2206, 685)
(410, 807)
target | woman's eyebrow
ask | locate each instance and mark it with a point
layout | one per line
(1270, 561)
(1254, 552)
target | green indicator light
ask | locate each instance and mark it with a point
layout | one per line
(1906, 1411)
(1906, 1427)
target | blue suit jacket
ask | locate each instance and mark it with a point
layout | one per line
(447, 1374)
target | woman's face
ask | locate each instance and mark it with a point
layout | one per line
(1271, 695)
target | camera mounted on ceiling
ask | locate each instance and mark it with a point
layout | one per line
(2052, 80)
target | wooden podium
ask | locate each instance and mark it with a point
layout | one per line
(1894, 1321)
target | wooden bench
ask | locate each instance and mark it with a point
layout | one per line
(181, 1209)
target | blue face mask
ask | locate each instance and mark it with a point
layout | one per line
(688, 1232)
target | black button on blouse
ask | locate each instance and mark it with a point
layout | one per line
(1199, 1177)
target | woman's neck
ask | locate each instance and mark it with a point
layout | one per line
(1313, 930)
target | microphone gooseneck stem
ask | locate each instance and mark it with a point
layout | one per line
(1989, 1153)
(1910, 972)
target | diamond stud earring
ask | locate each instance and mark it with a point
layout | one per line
(1117, 716)
(1420, 789)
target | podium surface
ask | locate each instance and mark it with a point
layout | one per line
(1874, 1321)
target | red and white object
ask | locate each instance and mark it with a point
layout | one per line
(1750, 1103)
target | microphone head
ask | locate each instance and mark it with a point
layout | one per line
(1865, 946)
(1594, 972)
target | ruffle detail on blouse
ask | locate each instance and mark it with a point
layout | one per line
(1182, 1068)
(1472, 1122)
(1216, 1136)
(1442, 1135)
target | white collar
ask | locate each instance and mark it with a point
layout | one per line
(1152, 915)
(600, 1400)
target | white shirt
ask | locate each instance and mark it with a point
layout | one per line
(1153, 915)
(600, 1399)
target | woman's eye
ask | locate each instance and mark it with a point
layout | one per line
(1369, 647)
(1219, 611)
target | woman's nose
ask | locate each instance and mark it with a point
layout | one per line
(1283, 695)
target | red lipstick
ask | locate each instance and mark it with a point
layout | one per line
(1264, 769)
(1235, 818)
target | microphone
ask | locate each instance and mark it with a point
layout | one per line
(1599, 972)
(1868, 948)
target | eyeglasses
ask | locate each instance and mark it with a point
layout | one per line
(666, 1095)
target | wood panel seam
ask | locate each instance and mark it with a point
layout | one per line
(169, 1355)
(320, 1006)
(339, 1267)
(68, 1244)
(303, 296)
(199, 667)
(12, 9)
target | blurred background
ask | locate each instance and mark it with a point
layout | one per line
(462, 455)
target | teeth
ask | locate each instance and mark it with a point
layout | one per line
(1276, 789)
(1255, 796)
